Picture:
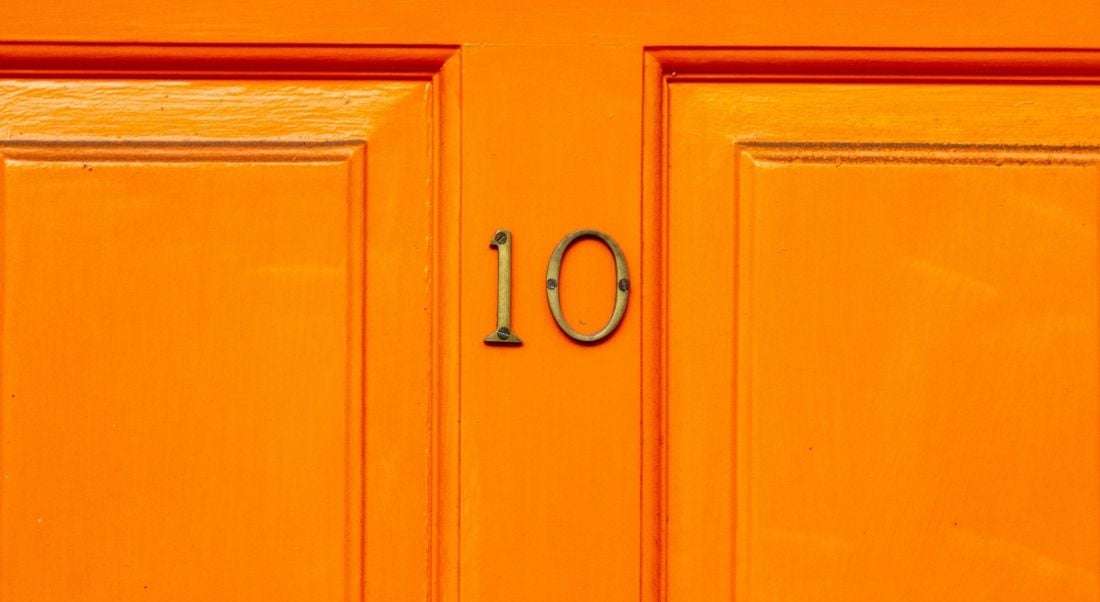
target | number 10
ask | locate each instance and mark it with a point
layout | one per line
(502, 242)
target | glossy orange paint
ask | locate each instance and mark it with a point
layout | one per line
(896, 397)
(246, 280)
(214, 387)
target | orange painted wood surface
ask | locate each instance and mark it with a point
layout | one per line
(896, 394)
(246, 279)
(899, 23)
(214, 387)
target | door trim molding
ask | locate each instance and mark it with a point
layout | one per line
(954, 65)
(222, 61)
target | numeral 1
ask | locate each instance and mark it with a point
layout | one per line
(503, 335)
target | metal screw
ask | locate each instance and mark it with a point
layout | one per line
(551, 284)
(624, 285)
(503, 333)
(501, 238)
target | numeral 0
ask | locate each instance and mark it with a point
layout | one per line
(502, 242)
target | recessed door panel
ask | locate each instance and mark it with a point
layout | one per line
(217, 339)
(895, 393)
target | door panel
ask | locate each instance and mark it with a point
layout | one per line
(218, 369)
(882, 344)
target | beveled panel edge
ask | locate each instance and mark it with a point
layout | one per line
(221, 61)
(444, 524)
(871, 64)
(355, 471)
(170, 151)
(652, 490)
(810, 152)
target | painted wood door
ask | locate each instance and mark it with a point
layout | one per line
(246, 281)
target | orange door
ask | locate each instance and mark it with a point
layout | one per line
(247, 281)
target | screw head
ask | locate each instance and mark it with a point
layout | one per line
(503, 333)
(551, 284)
(624, 285)
(500, 238)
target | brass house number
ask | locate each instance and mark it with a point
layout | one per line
(502, 242)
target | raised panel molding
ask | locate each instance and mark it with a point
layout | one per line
(164, 106)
